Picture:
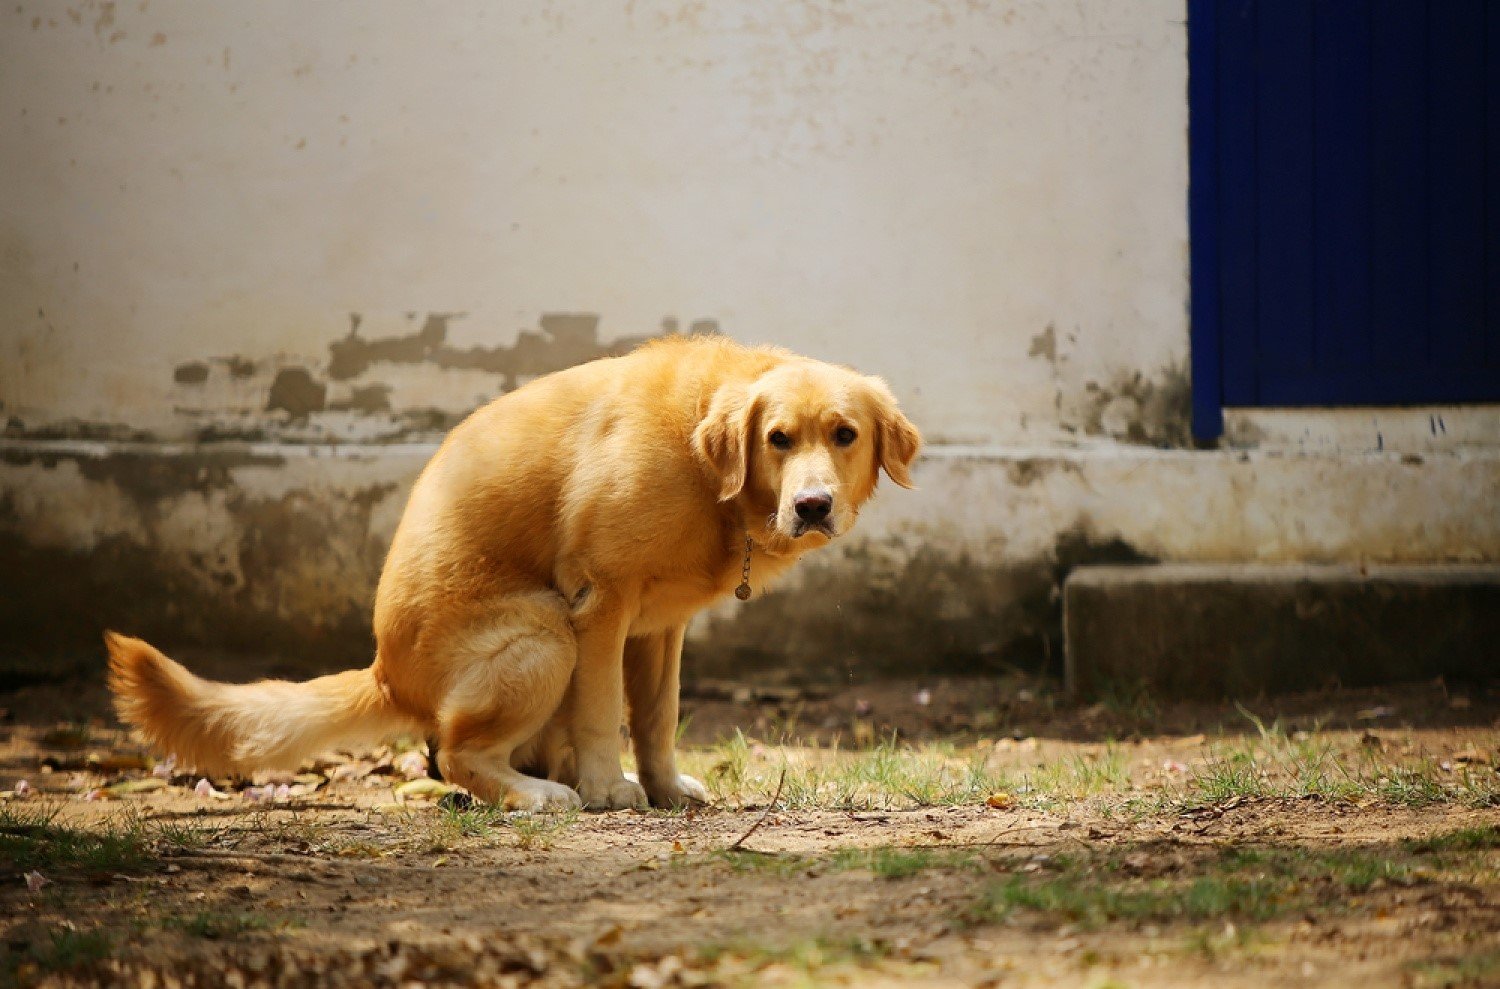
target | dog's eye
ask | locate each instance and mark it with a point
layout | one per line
(780, 440)
(843, 436)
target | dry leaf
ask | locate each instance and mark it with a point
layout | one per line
(423, 789)
(1000, 801)
(126, 787)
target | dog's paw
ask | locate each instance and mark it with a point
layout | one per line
(540, 796)
(681, 792)
(612, 794)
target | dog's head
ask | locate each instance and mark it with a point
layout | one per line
(805, 443)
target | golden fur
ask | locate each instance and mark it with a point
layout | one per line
(548, 561)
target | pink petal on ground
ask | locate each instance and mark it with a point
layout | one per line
(412, 765)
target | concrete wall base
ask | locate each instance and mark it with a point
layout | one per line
(1217, 631)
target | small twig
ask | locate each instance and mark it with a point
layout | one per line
(762, 819)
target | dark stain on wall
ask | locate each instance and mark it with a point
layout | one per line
(239, 367)
(368, 398)
(149, 479)
(1044, 345)
(297, 579)
(296, 582)
(77, 429)
(51, 620)
(940, 613)
(565, 339)
(191, 373)
(1161, 409)
(297, 392)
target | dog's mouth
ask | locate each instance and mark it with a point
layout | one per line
(801, 528)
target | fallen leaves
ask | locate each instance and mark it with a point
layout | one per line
(423, 788)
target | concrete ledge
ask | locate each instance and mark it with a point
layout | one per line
(1216, 631)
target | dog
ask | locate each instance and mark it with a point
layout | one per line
(546, 566)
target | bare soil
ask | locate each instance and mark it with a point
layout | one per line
(1332, 839)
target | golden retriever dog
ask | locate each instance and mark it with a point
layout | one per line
(546, 566)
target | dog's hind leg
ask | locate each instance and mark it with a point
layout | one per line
(513, 671)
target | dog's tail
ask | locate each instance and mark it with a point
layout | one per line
(271, 724)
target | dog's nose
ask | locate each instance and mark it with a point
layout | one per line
(813, 506)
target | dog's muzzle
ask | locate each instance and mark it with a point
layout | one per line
(814, 508)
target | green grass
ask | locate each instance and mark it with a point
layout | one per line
(60, 952)
(1253, 884)
(887, 776)
(218, 925)
(898, 863)
(885, 862)
(541, 831)
(454, 824)
(1481, 838)
(31, 838)
(1479, 969)
(1266, 763)
(739, 961)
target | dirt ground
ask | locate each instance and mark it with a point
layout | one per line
(941, 833)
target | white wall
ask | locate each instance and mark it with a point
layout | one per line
(921, 189)
(983, 201)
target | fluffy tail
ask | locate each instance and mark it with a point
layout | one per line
(271, 724)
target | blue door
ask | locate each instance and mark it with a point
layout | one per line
(1345, 203)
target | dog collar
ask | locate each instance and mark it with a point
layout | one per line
(743, 591)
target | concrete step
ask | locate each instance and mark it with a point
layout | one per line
(1200, 631)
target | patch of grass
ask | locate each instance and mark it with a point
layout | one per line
(1092, 904)
(1241, 884)
(1417, 786)
(1235, 774)
(737, 961)
(1479, 969)
(897, 863)
(886, 861)
(218, 925)
(60, 951)
(455, 824)
(1267, 763)
(32, 838)
(541, 831)
(1481, 838)
(888, 776)
(1078, 777)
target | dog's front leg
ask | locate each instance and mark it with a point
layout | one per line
(653, 664)
(598, 705)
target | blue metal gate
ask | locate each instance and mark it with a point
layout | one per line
(1345, 203)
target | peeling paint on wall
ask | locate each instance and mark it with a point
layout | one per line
(294, 391)
(191, 373)
(565, 339)
(1136, 409)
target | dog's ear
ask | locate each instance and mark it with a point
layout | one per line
(897, 440)
(722, 438)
